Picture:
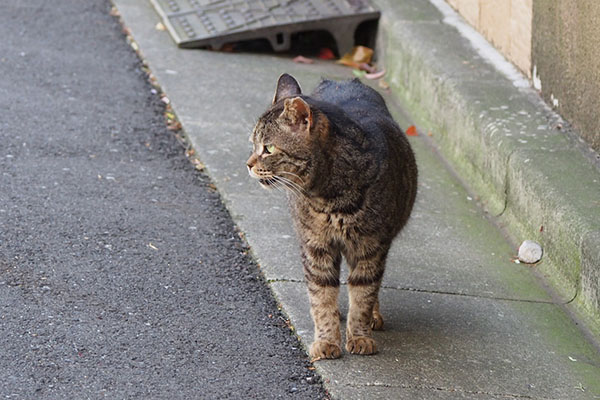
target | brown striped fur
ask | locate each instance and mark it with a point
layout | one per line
(351, 180)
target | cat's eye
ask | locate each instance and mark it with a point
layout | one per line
(269, 149)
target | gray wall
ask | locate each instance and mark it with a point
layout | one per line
(566, 54)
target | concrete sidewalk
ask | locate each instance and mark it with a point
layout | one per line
(462, 320)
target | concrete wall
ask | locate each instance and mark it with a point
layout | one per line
(559, 41)
(566, 55)
(505, 23)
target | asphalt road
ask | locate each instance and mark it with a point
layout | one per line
(121, 273)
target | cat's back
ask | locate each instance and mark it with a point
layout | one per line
(362, 104)
(352, 96)
(395, 185)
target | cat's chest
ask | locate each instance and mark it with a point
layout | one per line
(332, 225)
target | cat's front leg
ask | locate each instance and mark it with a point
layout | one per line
(321, 271)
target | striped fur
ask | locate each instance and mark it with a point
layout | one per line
(351, 180)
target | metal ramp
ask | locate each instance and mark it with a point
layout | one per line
(213, 23)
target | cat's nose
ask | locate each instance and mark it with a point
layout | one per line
(251, 163)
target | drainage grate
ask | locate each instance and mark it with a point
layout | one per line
(213, 23)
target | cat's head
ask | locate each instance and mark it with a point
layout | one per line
(286, 139)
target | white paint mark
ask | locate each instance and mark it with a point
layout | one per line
(537, 82)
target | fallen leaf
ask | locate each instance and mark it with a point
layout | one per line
(160, 27)
(174, 126)
(383, 84)
(302, 60)
(357, 56)
(412, 131)
(227, 48)
(326, 54)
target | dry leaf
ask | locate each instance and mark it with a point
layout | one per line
(326, 54)
(383, 84)
(412, 131)
(357, 56)
(174, 126)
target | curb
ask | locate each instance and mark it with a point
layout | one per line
(507, 145)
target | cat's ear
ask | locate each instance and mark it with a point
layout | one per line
(297, 113)
(287, 86)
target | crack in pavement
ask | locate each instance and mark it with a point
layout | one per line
(447, 389)
(440, 292)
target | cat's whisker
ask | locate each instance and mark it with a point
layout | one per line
(290, 189)
(293, 186)
(273, 182)
(283, 183)
(294, 175)
(278, 185)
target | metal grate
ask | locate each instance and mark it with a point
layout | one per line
(202, 23)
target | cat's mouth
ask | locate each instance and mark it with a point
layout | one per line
(266, 182)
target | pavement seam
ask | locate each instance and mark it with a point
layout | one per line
(478, 296)
(438, 292)
(449, 390)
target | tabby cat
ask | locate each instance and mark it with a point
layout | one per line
(351, 180)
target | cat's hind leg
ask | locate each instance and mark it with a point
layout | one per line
(360, 314)
(367, 264)
(377, 321)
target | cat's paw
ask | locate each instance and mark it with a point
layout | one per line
(361, 345)
(322, 349)
(377, 322)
